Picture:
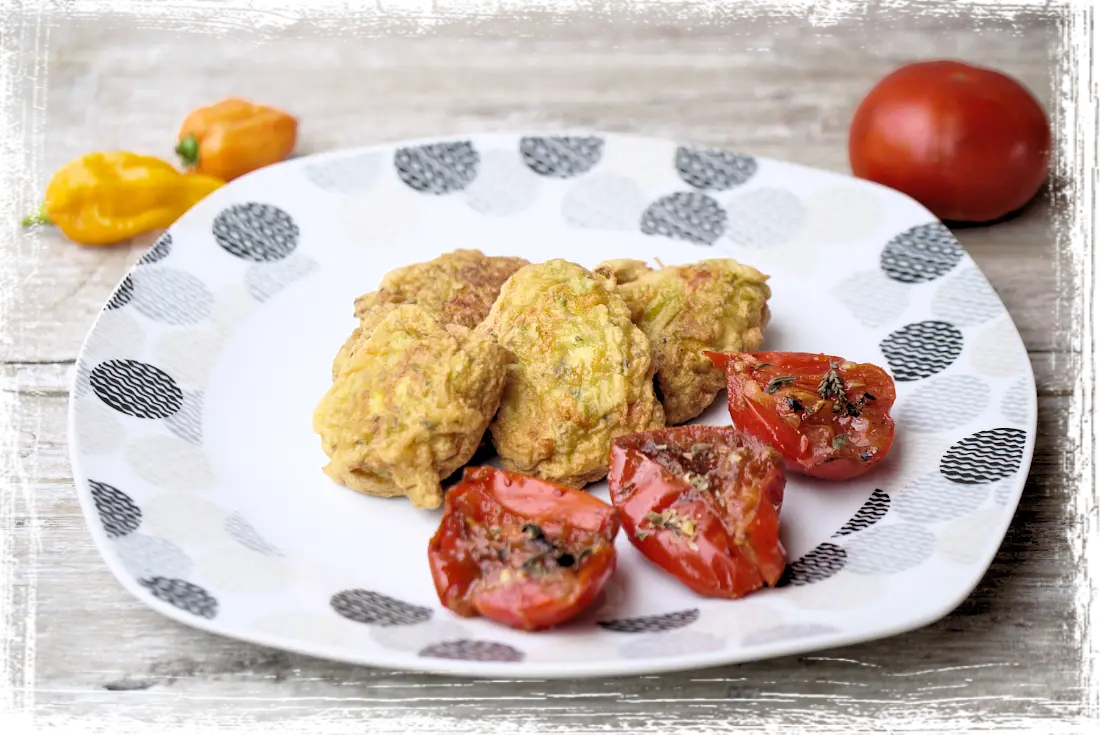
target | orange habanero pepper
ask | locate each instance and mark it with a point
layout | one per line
(232, 137)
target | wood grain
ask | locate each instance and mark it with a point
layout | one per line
(771, 86)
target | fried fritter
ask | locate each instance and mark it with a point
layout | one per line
(718, 305)
(410, 406)
(458, 287)
(582, 375)
(623, 270)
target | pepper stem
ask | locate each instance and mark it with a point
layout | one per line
(188, 151)
(40, 217)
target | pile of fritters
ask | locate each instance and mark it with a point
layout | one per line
(554, 359)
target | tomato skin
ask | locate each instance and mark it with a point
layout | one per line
(481, 555)
(805, 437)
(732, 546)
(970, 144)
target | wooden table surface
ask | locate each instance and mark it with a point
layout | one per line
(79, 646)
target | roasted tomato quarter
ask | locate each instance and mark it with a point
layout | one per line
(829, 417)
(702, 503)
(521, 551)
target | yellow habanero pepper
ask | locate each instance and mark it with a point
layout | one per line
(235, 136)
(106, 198)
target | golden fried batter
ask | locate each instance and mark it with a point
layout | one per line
(458, 288)
(718, 305)
(623, 270)
(410, 405)
(582, 374)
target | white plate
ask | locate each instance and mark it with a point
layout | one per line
(200, 475)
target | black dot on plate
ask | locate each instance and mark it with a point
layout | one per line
(260, 233)
(122, 294)
(561, 157)
(706, 168)
(159, 251)
(871, 513)
(136, 389)
(438, 168)
(986, 456)
(921, 253)
(467, 650)
(372, 608)
(182, 594)
(652, 623)
(922, 349)
(822, 562)
(117, 512)
(685, 215)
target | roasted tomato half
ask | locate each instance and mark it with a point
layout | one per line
(521, 551)
(702, 503)
(830, 418)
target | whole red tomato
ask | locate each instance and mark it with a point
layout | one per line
(970, 144)
(521, 551)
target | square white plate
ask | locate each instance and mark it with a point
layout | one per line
(200, 475)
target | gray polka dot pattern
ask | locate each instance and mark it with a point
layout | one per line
(122, 294)
(985, 456)
(467, 650)
(184, 595)
(921, 350)
(561, 157)
(868, 515)
(652, 623)
(187, 422)
(1002, 490)
(944, 403)
(685, 215)
(372, 608)
(822, 562)
(922, 253)
(671, 644)
(244, 534)
(788, 632)
(119, 514)
(256, 232)
(265, 280)
(764, 217)
(171, 296)
(889, 549)
(933, 498)
(706, 168)
(160, 250)
(145, 557)
(345, 175)
(504, 187)
(604, 202)
(872, 298)
(1016, 400)
(437, 168)
(136, 389)
(966, 299)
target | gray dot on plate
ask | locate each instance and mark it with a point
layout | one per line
(183, 594)
(1016, 400)
(373, 608)
(187, 422)
(603, 202)
(437, 168)
(708, 168)
(136, 389)
(472, 650)
(889, 549)
(870, 513)
(503, 187)
(966, 299)
(789, 632)
(265, 280)
(118, 513)
(764, 217)
(652, 623)
(984, 456)
(159, 250)
(944, 403)
(247, 536)
(122, 294)
(922, 349)
(256, 232)
(922, 253)
(146, 557)
(872, 298)
(933, 498)
(822, 562)
(345, 175)
(171, 296)
(561, 157)
(685, 215)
